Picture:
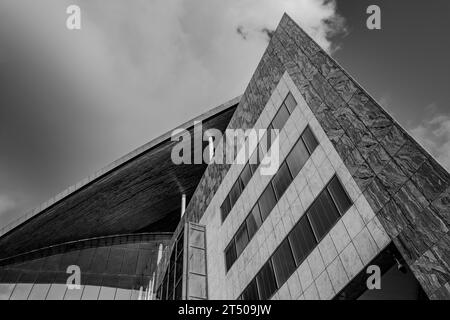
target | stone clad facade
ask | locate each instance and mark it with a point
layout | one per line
(406, 188)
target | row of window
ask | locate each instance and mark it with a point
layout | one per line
(171, 286)
(278, 122)
(318, 220)
(288, 170)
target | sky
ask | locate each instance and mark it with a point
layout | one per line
(72, 101)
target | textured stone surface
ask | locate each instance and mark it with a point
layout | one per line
(403, 184)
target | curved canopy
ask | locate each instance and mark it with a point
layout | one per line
(140, 192)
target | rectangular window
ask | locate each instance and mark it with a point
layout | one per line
(267, 201)
(251, 292)
(283, 263)
(266, 281)
(225, 208)
(255, 160)
(339, 195)
(282, 180)
(241, 239)
(323, 214)
(280, 118)
(297, 158)
(230, 255)
(302, 240)
(246, 175)
(253, 221)
(309, 139)
(290, 102)
(235, 193)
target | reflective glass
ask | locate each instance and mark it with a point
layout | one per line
(267, 201)
(282, 180)
(323, 214)
(280, 118)
(310, 140)
(266, 281)
(251, 292)
(339, 195)
(290, 102)
(230, 255)
(283, 262)
(253, 221)
(297, 158)
(302, 240)
(241, 239)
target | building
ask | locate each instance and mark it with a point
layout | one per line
(354, 194)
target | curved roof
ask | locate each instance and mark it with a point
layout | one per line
(140, 192)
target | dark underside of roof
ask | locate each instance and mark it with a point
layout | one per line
(140, 195)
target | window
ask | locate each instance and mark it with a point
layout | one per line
(253, 221)
(290, 102)
(230, 255)
(251, 292)
(310, 140)
(225, 208)
(283, 262)
(246, 175)
(282, 180)
(339, 195)
(297, 157)
(235, 193)
(266, 281)
(267, 201)
(323, 214)
(280, 118)
(255, 160)
(302, 240)
(241, 239)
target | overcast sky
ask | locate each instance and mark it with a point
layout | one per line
(73, 101)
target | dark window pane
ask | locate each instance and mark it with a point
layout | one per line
(280, 118)
(267, 201)
(323, 214)
(266, 281)
(282, 180)
(297, 158)
(283, 262)
(290, 102)
(271, 136)
(339, 195)
(178, 290)
(251, 292)
(246, 175)
(310, 140)
(179, 267)
(241, 239)
(254, 221)
(235, 193)
(230, 255)
(225, 208)
(254, 160)
(302, 240)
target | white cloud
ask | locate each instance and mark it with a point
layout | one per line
(142, 67)
(433, 133)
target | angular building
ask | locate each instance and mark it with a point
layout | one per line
(356, 210)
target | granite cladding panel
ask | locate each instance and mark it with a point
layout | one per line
(405, 186)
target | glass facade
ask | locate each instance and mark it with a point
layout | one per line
(111, 268)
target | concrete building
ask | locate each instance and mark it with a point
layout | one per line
(354, 194)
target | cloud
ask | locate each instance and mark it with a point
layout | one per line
(433, 133)
(73, 101)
